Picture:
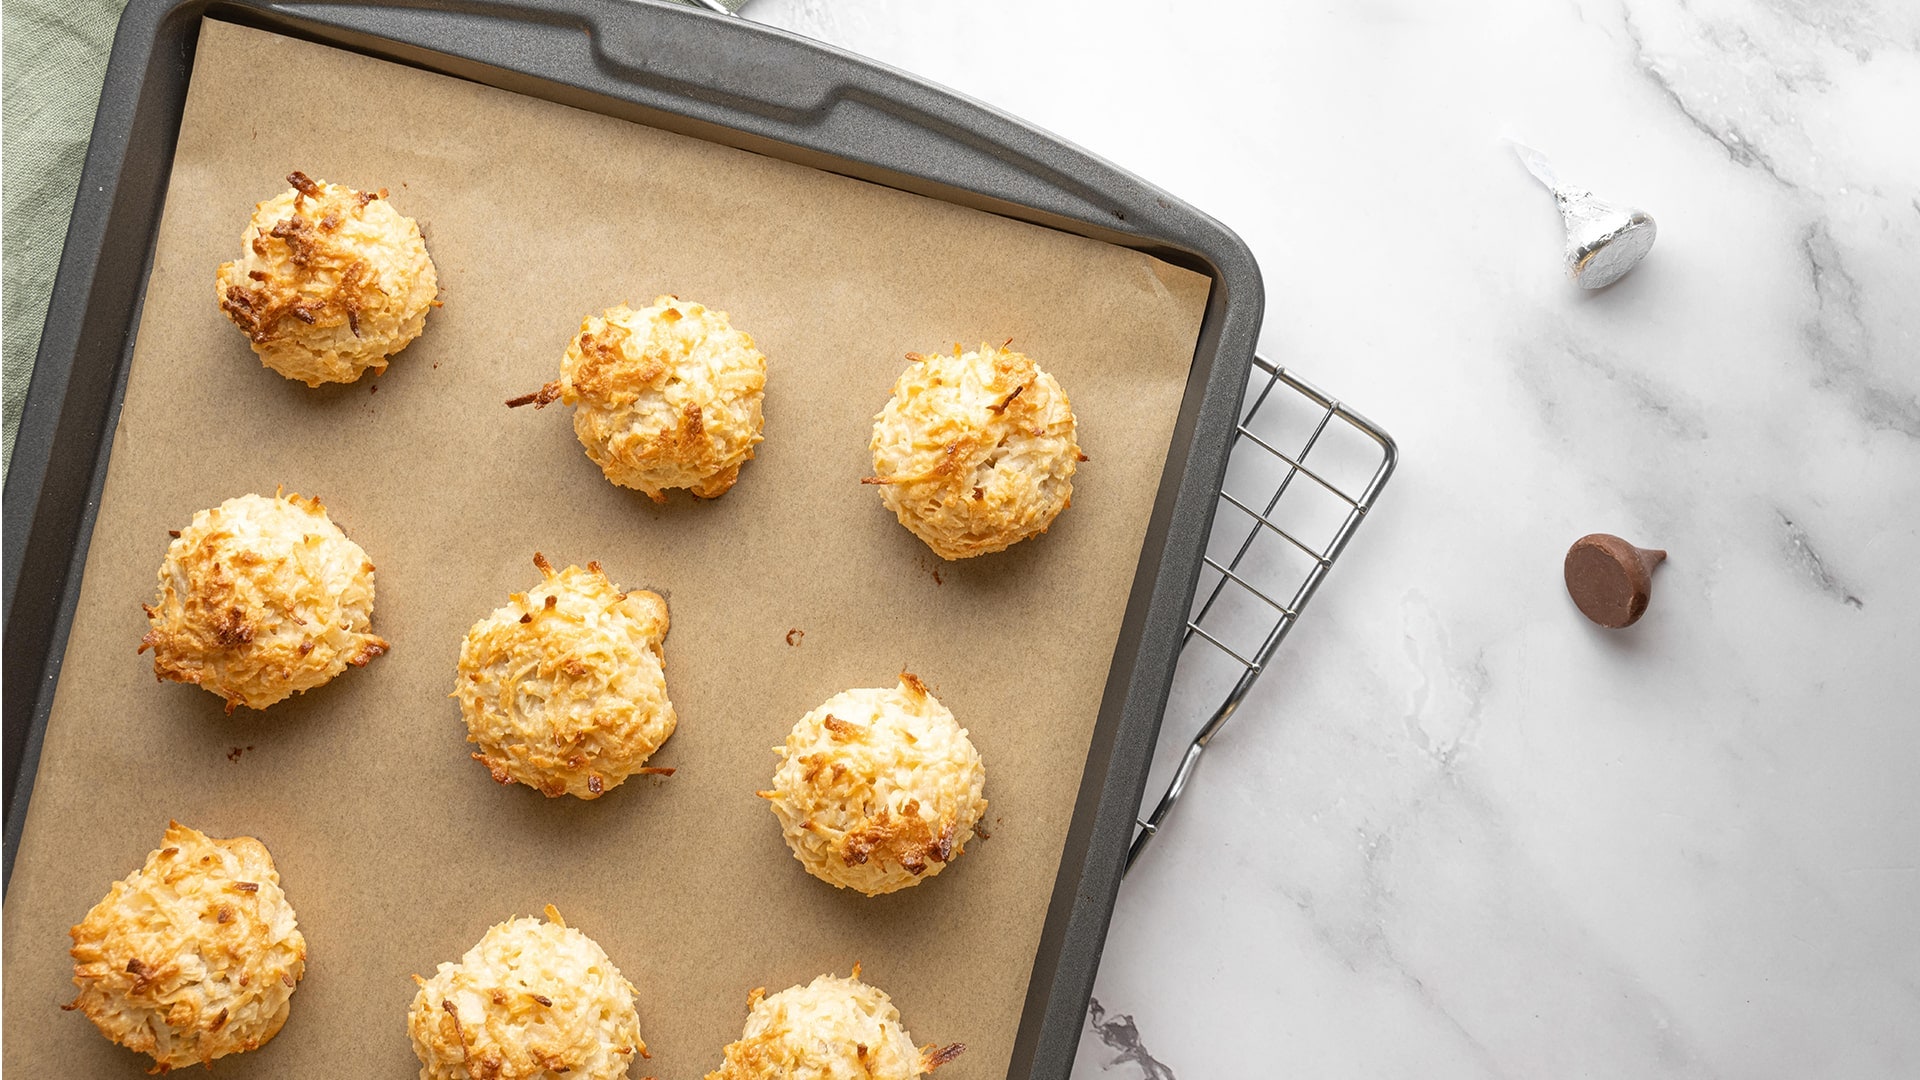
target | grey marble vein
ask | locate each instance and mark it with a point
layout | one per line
(1662, 405)
(1565, 376)
(1122, 1036)
(1740, 148)
(1840, 343)
(1805, 559)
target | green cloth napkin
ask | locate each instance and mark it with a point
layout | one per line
(55, 58)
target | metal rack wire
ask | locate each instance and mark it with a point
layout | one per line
(1218, 616)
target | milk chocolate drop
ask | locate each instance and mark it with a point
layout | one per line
(1610, 580)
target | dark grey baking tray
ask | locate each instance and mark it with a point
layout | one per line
(721, 79)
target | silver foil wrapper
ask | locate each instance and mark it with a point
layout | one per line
(1604, 240)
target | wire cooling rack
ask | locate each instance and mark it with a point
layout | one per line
(1284, 517)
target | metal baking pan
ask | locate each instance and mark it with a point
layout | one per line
(715, 78)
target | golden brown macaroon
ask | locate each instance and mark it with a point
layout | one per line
(260, 599)
(830, 1029)
(878, 789)
(531, 1001)
(565, 688)
(665, 397)
(332, 282)
(975, 452)
(192, 957)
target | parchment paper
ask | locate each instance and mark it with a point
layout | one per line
(396, 850)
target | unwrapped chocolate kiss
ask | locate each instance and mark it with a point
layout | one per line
(1610, 580)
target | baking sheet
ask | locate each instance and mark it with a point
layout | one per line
(395, 849)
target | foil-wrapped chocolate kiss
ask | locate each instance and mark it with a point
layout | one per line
(1604, 240)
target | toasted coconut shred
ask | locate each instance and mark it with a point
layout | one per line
(975, 452)
(531, 1001)
(878, 789)
(564, 689)
(665, 397)
(192, 957)
(260, 599)
(332, 282)
(830, 1029)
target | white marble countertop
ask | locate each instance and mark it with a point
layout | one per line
(1458, 831)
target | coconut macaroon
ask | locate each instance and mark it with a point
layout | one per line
(192, 957)
(532, 1001)
(565, 688)
(332, 282)
(664, 397)
(975, 452)
(830, 1029)
(878, 789)
(260, 599)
